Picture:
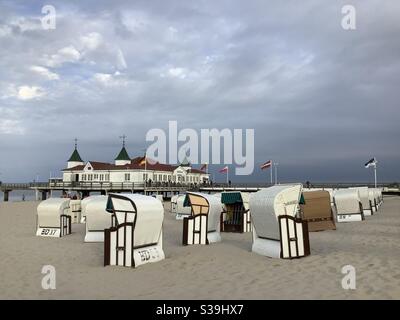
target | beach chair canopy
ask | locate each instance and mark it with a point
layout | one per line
(145, 212)
(267, 204)
(378, 194)
(317, 210)
(371, 195)
(202, 203)
(97, 218)
(86, 200)
(50, 210)
(347, 201)
(234, 197)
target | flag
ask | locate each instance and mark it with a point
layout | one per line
(266, 165)
(224, 170)
(204, 166)
(371, 162)
(142, 162)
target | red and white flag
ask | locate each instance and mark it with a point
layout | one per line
(224, 170)
(204, 166)
(266, 165)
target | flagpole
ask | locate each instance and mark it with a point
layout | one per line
(375, 175)
(272, 168)
(276, 172)
(145, 171)
(227, 175)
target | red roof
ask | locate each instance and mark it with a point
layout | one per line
(135, 164)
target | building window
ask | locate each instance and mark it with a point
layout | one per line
(107, 177)
(127, 177)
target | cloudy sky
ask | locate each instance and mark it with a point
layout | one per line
(322, 100)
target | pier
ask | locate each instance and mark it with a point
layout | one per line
(44, 189)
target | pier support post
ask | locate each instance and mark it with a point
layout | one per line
(6, 195)
(37, 197)
(85, 194)
(44, 195)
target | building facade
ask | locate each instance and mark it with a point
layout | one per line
(136, 170)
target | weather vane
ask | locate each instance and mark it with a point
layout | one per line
(123, 137)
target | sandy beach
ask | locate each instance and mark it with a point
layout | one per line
(227, 270)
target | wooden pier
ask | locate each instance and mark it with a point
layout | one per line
(43, 189)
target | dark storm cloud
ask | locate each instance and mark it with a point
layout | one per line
(322, 100)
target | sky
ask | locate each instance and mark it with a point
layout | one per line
(322, 100)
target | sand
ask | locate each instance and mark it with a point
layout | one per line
(227, 270)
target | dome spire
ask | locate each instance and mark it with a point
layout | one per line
(123, 156)
(75, 158)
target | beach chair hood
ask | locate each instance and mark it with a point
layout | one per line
(267, 204)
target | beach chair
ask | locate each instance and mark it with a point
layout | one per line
(159, 197)
(203, 224)
(348, 205)
(278, 231)
(235, 216)
(372, 200)
(317, 211)
(367, 205)
(135, 237)
(179, 209)
(75, 210)
(84, 202)
(53, 219)
(378, 197)
(97, 219)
